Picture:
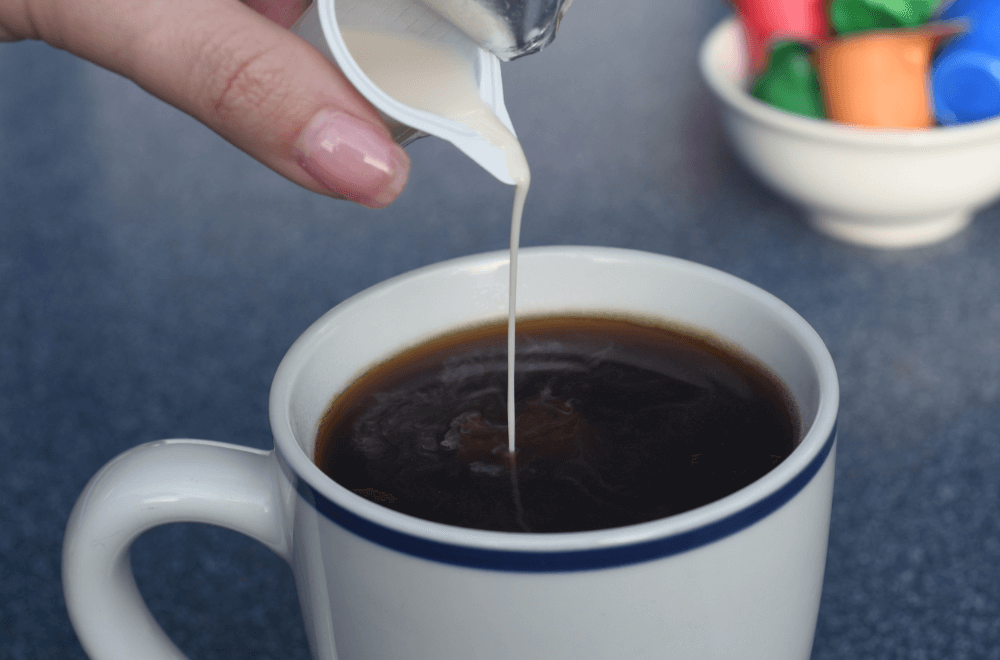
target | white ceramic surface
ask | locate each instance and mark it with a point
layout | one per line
(738, 578)
(321, 25)
(874, 187)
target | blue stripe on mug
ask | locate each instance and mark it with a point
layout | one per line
(567, 560)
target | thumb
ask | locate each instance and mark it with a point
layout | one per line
(252, 81)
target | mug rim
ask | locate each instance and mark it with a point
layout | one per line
(563, 551)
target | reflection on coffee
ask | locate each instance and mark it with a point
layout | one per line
(618, 422)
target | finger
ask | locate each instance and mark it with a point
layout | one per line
(14, 21)
(282, 12)
(262, 88)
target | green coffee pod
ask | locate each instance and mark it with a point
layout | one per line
(789, 82)
(850, 16)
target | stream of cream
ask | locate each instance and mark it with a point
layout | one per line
(430, 77)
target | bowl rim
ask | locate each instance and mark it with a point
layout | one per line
(736, 97)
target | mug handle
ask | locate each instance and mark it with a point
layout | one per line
(154, 484)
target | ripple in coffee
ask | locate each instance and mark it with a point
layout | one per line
(618, 422)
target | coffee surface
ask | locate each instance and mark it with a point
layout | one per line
(618, 423)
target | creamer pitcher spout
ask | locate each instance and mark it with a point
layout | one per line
(507, 28)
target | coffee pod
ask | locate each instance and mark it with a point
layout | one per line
(880, 79)
(767, 21)
(966, 75)
(790, 81)
(850, 16)
(322, 27)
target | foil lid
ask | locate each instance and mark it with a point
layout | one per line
(507, 28)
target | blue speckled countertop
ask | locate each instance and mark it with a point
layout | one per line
(152, 276)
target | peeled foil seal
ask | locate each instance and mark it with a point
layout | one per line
(507, 28)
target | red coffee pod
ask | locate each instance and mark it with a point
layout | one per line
(766, 21)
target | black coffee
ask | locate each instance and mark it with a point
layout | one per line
(617, 423)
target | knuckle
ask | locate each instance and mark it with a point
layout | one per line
(247, 83)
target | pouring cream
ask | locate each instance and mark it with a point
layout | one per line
(428, 76)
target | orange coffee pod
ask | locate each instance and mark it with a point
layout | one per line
(880, 79)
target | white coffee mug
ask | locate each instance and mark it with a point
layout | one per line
(737, 578)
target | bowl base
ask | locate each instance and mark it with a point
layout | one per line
(905, 233)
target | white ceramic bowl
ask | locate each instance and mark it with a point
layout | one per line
(875, 187)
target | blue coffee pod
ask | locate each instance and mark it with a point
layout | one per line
(965, 78)
(962, 8)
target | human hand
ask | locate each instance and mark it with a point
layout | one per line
(235, 67)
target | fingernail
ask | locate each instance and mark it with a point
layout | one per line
(352, 158)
